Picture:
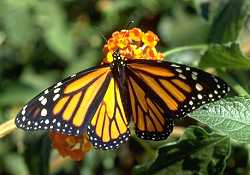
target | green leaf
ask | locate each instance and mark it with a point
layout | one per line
(86, 60)
(51, 17)
(203, 8)
(228, 22)
(224, 56)
(17, 93)
(197, 152)
(18, 23)
(179, 30)
(15, 164)
(39, 81)
(230, 116)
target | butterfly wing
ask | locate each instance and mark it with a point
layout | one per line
(160, 92)
(150, 119)
(109, 126)
(88, 100)
(67, 106)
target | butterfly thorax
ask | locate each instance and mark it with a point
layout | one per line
(118, 68)
(118, 63)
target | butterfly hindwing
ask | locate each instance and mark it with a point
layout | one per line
(67, 106)
(151, 120)
(109, 125)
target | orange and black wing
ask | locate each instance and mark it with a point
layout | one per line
(88, 101)
(109, 125)
(68, 106)
(160, 92)
(150, 119)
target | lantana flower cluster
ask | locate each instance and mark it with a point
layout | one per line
(132, 44)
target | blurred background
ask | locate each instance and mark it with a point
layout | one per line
(44, 41)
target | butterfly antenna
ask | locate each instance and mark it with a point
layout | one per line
(103, 37)
(129, 23)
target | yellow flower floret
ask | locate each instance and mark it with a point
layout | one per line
(150, 39)
(135, 34)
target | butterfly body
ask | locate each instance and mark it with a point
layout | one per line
(103, 100)
(118, 70)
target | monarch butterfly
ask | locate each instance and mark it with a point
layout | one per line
(102, 100)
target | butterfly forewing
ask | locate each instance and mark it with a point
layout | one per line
(176, 88)
(67, 106)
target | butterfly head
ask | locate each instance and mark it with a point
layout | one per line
(116, 55)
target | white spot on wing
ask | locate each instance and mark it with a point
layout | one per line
(43, 112)
(199, 87)
(191, 102)
(194, 77)
(182, 76)
(56, 97)
(58, 84)
(175, 65)
(56, 90)
(41, 98)
(46, 121)
(44, 101)
(178, 70)
(199, 96)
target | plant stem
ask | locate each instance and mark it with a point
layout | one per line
(7, 127)
(185, 48)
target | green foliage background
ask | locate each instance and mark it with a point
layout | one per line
(43, 41)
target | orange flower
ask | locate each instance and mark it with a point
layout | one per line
(135, 34)
(111, 44)
(138, 53)
(75, 147)
(122, 39)
(150, 39)
(133, 44)
(151, 53)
